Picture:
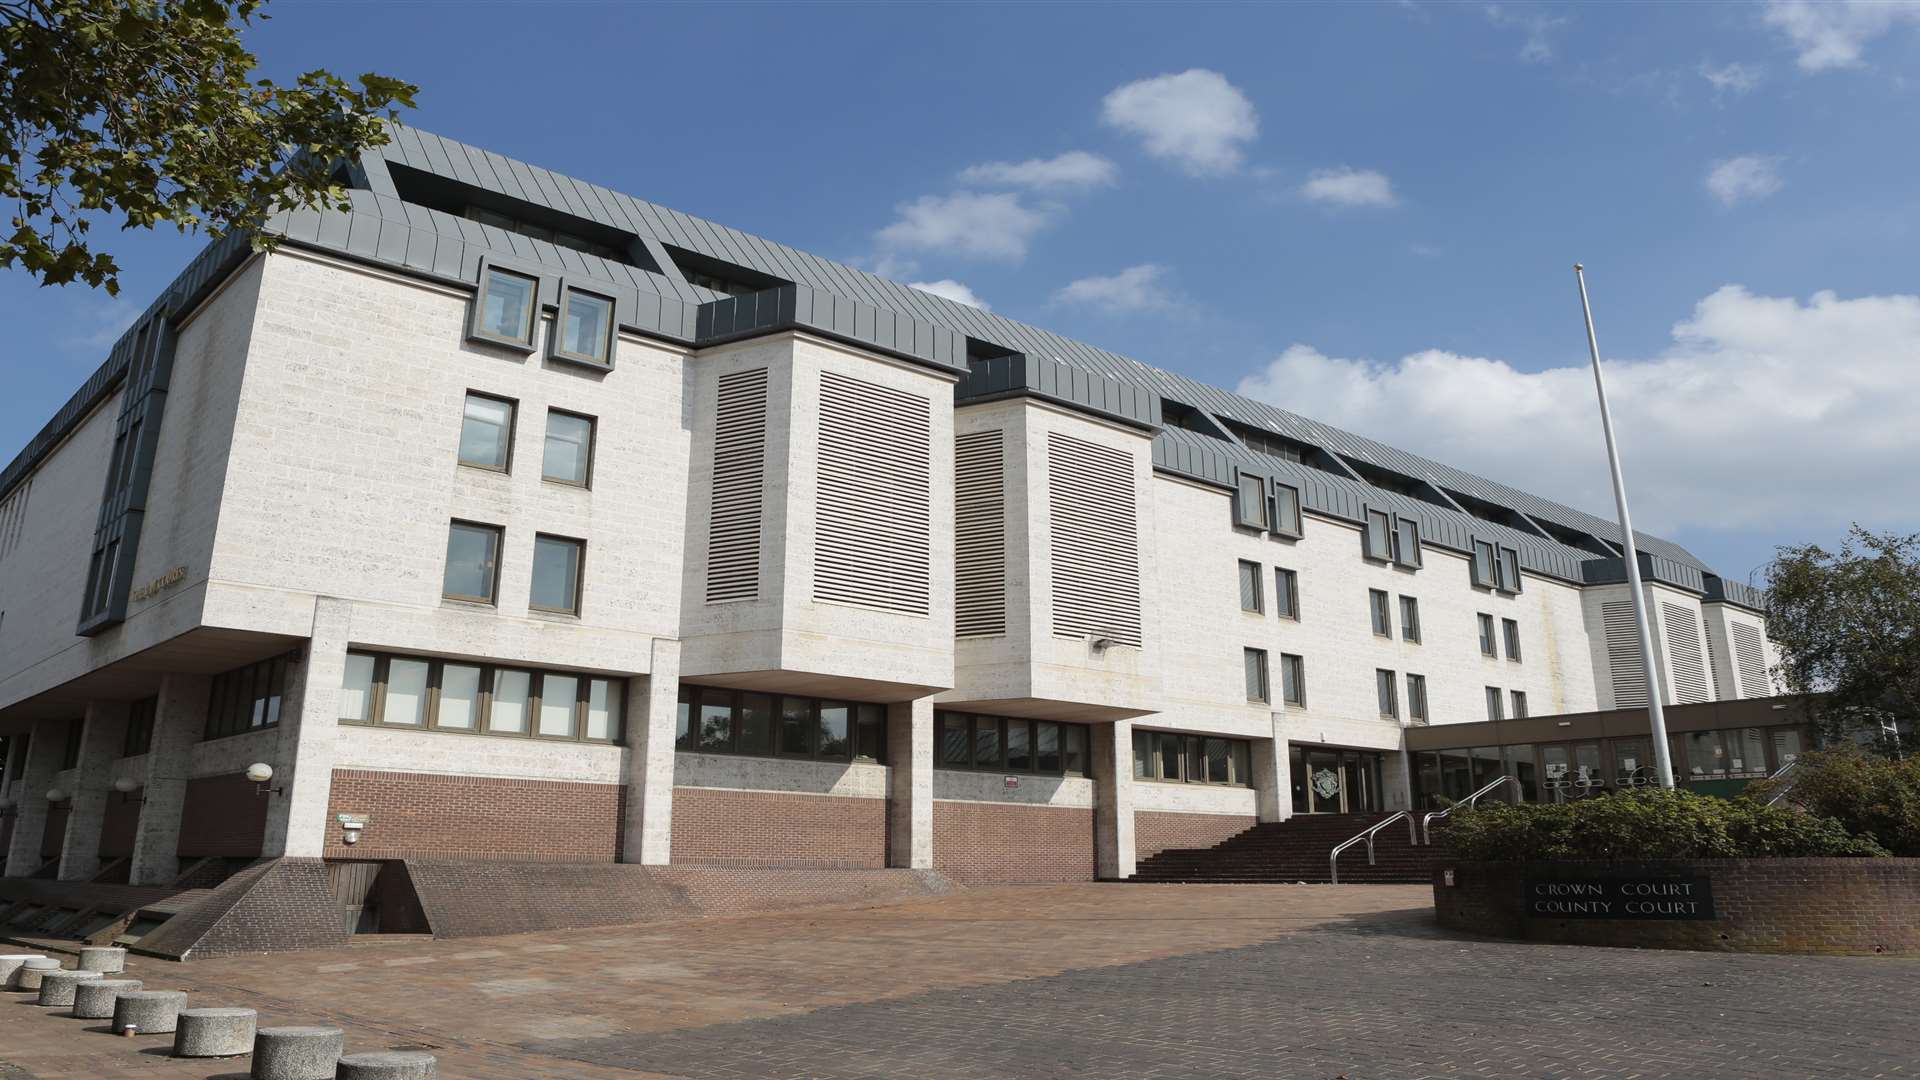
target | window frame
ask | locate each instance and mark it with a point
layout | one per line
(1519, 703)
(505, 468)
(1510, 637)
(1410, 619)
(483, 701)
(592, 448)
(1488, 576)
(1000, 726)
(1507, 565)
(1489, 642)
(1190, 757)
(499, 545)
(1240, 518)
(1496, 704)
(568, 287)
(1401, 557)
(1370, 517)
(1380, 612)
(1286, 587)
(1296, 527)
(1296, 664)
(1249, 571)
(1417, 712)
(1255, 669)
(691, 695)
(1386, 686)
(579, 574)
(476, 329)
(230, 712)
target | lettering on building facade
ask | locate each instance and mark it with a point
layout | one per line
(1627, 896)
(160, 584)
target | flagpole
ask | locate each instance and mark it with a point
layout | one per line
(1656, 718)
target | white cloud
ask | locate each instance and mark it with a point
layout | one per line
(1834, 33)
(1735, 79)
(1073, 170)
(1747, 178)
(994, 226)
(1426, 251)
(1537, 47)
(1762, 411)
(1196, 119)
(1346, 186)
(1137, 288)
(952, 290)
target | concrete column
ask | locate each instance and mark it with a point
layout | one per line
(653, 703)
(1272, 782)
(910, 792)
(104, 732)
(45, 748)
(309, 726)
(1113, 800)
(179, 720)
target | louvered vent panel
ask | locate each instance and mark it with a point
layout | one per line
(1683, 654)
(1096, 549)
(874, 525)
(739, 471)
(979, 535)
(1713, 669)
(1623, 655)
(1750, 656)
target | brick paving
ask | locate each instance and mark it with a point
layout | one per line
(1043, 981)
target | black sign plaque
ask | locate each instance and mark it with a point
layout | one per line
(1627, 896)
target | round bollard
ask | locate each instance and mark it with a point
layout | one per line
(10, 964)
(93, 998)
(151, 1012)
(56, 987)
(106, 959)
(31, 972)
(389, 1065)
(297, 1053)
(214, 1032)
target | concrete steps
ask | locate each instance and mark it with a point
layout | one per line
(1296, 850)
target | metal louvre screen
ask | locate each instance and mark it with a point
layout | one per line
(1623, 655)
(874, 508)
(1096, 550)
(1684, 654)
(979, 535)
(739, 470)
(1720, 693)
(1750, 657)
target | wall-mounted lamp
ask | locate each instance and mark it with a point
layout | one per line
(126, 786)
(56, 794)
(261, 774)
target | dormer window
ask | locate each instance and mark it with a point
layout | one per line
(504, 311)
(1286, 510)
(1378, 536)
(583, 333)
(1406, 542)
(1250, 502)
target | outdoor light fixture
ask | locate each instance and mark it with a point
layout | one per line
(126, 786)
(261, 773)
(56, 794)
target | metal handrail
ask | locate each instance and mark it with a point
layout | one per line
(1333, 860)
(1785, 789)
(1426, 823)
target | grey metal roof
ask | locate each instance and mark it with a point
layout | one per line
(840, 300)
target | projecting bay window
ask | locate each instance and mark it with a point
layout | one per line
(1250, 599)
(583, 333)
(1169, 757)
(505, 310)
(384, 690)
(1496, 566)
(1286, 511)
(1483, 564)
(1509, 570)
(247, 699)
(717, 720)
(1010, 744)
(1250, 502)
(1377, 540)
(1406, 542)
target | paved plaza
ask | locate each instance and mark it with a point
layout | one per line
(1042, 981)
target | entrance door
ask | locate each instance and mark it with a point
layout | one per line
(1330, 781)
(1571, 770)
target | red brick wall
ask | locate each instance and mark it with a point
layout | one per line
(429, 815)
(976, 842)
(717, 827)
(223, 815)
(118, 825)
(1155, 831)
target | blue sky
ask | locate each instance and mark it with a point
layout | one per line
(1365, 213)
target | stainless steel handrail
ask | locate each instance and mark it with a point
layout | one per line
(1785, 789)
(1333, 860)
(1426, 823)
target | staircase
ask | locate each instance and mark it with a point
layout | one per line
(1296, 850)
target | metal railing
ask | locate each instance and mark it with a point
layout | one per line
(1333, 860)
(1787, 788)
(1426, 823)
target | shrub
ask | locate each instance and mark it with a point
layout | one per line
(1648, 824)
(1870, 796)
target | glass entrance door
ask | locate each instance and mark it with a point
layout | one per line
(1571, 770)
(1332, 781)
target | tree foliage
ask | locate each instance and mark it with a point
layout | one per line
(1869, 796)
(1847, 624)
(146, 109)
(1648, 823)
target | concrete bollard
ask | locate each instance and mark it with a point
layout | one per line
(389, 1065)
(106, 959)
(151, 1012)
(214, 1032)
(10, 964)
(31, 972)
(93, 999)
(56, 987)
(297, 1053)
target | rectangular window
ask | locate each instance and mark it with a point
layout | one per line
(1494, 709)
(1410, 619)
(1286, 510)
(725, 721)
(556, 574)
(835, 738)
(1256, 663)
(1293, 680)
(473, 562)
(448, 695)
(986, 743)
(1417, 698)
(248, 698)
(504, 310)
(1519, 704)
(1192, 759)
(1378, 539)
(568, 456)
(585, 328)
(1487, 644)
(70, 754)
(1406, 541)
(406, 693)
(606, 707)
(459, 705)
(1073, 750)
(1509, 570)
(559, 701)
(756, 725)
(1250, 599)
(1388, 691)
(512, 694)
(1483, 558)
(356, 690)
(714, 717)
(486, 432)
(1011, 744)
(1286, 593)
(796, 727)
(1250, 503)
(870, 733)
(1046, 746)
(956, 748)
(1019, 745)
(1512, 630)
(139, 736)
(1382, 614)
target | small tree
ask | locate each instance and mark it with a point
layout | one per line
(1848, 627)
(145, 109)
(1869, 796)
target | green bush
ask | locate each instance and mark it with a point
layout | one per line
(1647, 824)
(1870, 796)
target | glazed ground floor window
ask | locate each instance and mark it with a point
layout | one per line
(718, 720)
(1172, 757)
(481, 698)
(1010, 744)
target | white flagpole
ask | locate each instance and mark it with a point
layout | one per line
(1656, 718)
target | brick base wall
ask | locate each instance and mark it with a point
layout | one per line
(1760, 905)
(275, 905)
(430, 815)
(725, 827)
(117, 827)
(1155, 831)
(223, 815)
(1012, 842)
